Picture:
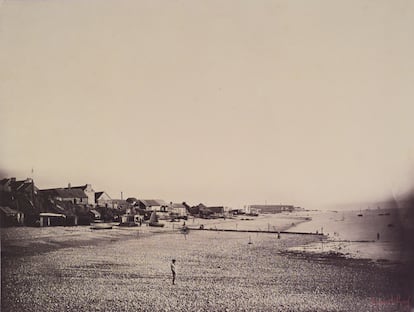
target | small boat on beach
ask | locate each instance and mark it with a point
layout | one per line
(101, 226)
(153, 221)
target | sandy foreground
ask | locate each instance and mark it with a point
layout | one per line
(128, 269)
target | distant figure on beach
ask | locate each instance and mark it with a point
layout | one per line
(378, 236)
(173, 271)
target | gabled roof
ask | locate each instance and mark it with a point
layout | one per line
(201, 206)
(79, 187)
(98, 194)
(64, 193)
(18, 186)
(153, 202)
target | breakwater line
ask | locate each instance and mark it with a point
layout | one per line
(255, 231)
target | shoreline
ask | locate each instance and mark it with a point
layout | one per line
(216, 271)
(47, 239)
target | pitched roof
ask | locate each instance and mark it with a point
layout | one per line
(98, 194)
(79, 187)
(153, 202)
(64, 193)
(15, 186)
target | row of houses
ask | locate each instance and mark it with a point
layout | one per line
(82, 195)
(22, 203)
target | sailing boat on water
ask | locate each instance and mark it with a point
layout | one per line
(153, 221)
(360, 213)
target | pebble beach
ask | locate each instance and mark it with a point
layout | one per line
(127, 269)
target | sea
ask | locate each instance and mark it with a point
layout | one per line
(382, 235)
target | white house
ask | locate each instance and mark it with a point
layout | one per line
(102, 199)
(179, 210)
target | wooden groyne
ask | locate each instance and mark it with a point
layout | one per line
(256, 231)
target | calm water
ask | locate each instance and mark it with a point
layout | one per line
(356, 236)
(349, 226)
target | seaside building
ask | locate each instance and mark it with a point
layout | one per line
(20, 196)
(178, 210)
(53, 219)
(158, 205)
(75, 196)
(217, 211)
(270, 208)
(207, 212)
(22, 187)
(120, 204)
(102, 199)
(88, 190)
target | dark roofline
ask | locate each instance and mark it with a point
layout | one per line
(67, 193)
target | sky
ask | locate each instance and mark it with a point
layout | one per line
(221, 102)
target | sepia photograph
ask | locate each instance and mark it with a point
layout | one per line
(205, 155)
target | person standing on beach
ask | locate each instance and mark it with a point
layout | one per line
(173, 271)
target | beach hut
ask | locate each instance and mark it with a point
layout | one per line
(52, 219)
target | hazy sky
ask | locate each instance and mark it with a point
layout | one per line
(221, 102)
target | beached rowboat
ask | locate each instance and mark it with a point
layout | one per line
(101, 226)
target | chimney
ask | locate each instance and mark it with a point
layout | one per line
(69, 186)
(13, 179)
